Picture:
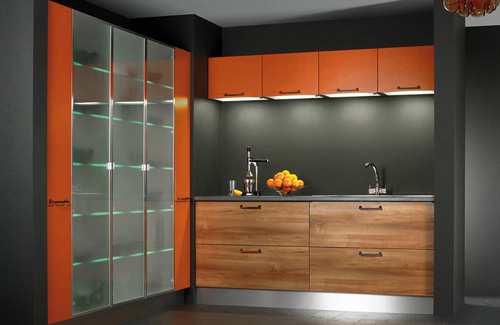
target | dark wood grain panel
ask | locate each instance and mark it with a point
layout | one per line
(396, 272)
(396, 225)
(273, 268)
(275, 223)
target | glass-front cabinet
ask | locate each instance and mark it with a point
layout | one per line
(123, 166)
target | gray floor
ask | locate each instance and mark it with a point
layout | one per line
(477, 310)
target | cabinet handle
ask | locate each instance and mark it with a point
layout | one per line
(183, 198)
(257, 251)
(251, 208)
(228, 95)
(408, 88)
(63, 203)
(289, 92)
(377, 208)
(346, 90)
(370, 255)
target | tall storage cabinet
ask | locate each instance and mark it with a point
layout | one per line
(119, 141)
(123, 166)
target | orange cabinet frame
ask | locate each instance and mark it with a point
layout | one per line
(182, 179)
(59, 162)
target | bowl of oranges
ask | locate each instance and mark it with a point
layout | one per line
(285, 183)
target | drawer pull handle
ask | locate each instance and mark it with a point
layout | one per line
(289, 92)
(251, 208)
(257, 251)
(408, 88)
(346, 90)
(240, 94)
(183, 198)
(377, 208)
(370, 255)
(63, 203)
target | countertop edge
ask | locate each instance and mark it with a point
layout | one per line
(339, 198)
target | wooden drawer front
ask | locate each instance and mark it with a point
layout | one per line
(274, 223)
(396, 272)
(274, 268)
(396, 225)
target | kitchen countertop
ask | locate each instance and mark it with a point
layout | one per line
(319, 198)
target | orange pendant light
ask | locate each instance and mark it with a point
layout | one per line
(473, 8)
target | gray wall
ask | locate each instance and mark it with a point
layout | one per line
(327, 141)
(482, 178)
(23, 178)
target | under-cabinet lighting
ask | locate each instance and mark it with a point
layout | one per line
(409, 92)
(239, 99)
(351, 95)
(295, 97)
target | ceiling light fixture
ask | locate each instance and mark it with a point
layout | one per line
(473, 8)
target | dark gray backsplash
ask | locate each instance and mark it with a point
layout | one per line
(327, 141)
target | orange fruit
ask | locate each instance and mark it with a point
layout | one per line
(293, 189)
(237, 193)
(295, 184)
(270, 182)
(286, 188)
(301, 183)
(286, 173)
(284, 192)
(278, 183)
(294, 176)
(279, 176)
(287, 182)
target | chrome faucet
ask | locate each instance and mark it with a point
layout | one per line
(377, 190)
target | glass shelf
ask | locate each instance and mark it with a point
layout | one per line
(119, 119)
(90, 67)
(99, 260)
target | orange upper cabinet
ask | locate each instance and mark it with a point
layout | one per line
(348, 73)
(406, 69)
(290, 74)
(235, 77)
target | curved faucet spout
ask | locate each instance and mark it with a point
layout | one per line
(377, 181)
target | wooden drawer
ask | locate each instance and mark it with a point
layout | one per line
(395, 272)
(269, 223)
(252, 267)
(382, 224)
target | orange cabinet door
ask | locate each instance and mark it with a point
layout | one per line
(406, 69)
(235, 76)
(348, 72)
(290, 74)
(59, 163)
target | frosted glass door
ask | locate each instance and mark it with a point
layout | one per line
(128, 151)
(90, 176)
(160, 178)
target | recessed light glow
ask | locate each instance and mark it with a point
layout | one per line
(295, 97)
(239, 99)
(351, 95)
(409, 92)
